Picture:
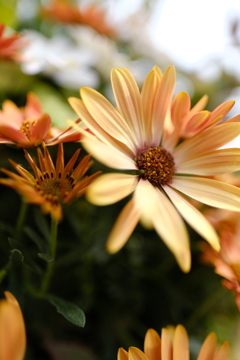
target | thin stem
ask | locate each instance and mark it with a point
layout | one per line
(52, 252)
(20, 221)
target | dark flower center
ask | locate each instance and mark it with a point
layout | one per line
(157, 165)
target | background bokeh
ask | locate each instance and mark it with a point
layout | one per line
(140, 287)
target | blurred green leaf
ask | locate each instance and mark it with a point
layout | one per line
(70, 311)
(3, 273)
(46, 257)
(8, 12)
(35, 238)
(17, 256)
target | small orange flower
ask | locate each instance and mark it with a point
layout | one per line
(227, 261)
(52, 187)
(173, 345)
(12, 329)
(29, 126)
(67, 12)
(10, 46)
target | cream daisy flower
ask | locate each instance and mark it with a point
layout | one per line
(135, 136)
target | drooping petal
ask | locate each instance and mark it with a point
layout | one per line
(195, 219)
(208, 348)
(206, 141)
(128, 101)
(215, 163)
(208, 191)
(108, 156)
(148, 94)
(123, 227)
(110, 188)
(162, 103)
(180, 344)
(155, 208)
(152, 345)
(108, 117)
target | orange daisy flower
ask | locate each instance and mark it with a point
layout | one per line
(12, 329)
(29, 126)
(135, 136)
(51, 187)
(68, 12)
(10, 46)
(173, 345)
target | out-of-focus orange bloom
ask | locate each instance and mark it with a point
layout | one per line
(29, 126)
(172, 345)
(52, 186)
(12, 329)
(227, 261)
(67, 12)
(10, 46)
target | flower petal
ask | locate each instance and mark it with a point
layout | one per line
(223, 352)
(180, 344)
(15, 135)
(208, 191)
(206, 141)
(136, 354)
(216, 163)
(110, 188)
(123, 227)
(40, 129)
(152, 345)
(166, 343)
(195, 219)
(128, 101)
(162, 103)
(157, 210)
(108, 117)
(108, 156)
(208, 348)
(122, 354)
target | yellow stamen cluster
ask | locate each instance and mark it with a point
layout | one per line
(26, 127)
(54, 189)
(157, 165)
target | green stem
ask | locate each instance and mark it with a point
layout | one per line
(52, 252)
(20, 221)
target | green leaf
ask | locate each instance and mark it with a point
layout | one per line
(70, 311)
(46, 257)
(36, 239)
(17, 256)
(3, 273)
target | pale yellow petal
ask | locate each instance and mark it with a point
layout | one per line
(180, 344)
(208, 191)
(128, 101)
(108, 117)
(206, 141)
(105, 154)
(221, 111)
(156, 208)
(223, 352)
(208, 348)
(216, 163)
(90, 122)
(152, 345)
(148, 94)
(162, 103)
(110, 188)
(123, 227)
(136, 354)
(195, 219)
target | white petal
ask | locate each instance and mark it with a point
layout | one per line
(105, 154)
(211, 192)
(157, 209)
(110, 188)
(123, 227)
(195, 219)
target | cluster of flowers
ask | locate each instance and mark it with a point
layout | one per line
(176, 154)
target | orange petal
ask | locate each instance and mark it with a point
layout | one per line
(136, 354)
(152, 345)
(208, 348)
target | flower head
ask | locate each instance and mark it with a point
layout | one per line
(90, 15)
(172, 345)
(10, 46)
(227, 261)
(51, 187)
(12, 329)
(29, 126)
(135, 136)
